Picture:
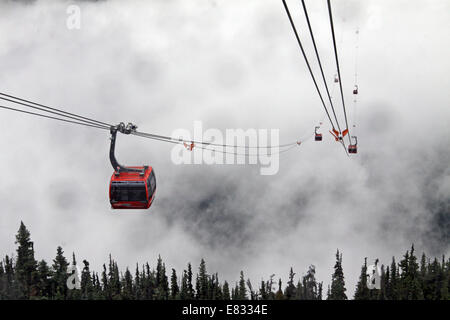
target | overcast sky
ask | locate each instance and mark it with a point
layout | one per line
(230, 64)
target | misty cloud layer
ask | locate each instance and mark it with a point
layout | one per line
(230, 64)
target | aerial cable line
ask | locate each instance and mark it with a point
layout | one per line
(249, 154)
(54, 118)
(201, 143)
(153, 138)
(81, 118)
(181, 140)
(306, 60)
(356, 55)
(320, 64)
(337, 66)
(62, 114)
(246, 153)
(203, 147)
(103, 125)
(355, 100)
(136, 133)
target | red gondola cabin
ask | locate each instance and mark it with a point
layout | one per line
(132, 189)
(353, 148)
(317, 136)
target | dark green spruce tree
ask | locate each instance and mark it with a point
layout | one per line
(338, 289)
(290, 291)
(202, 281)
(174, 289)
(26, 265)
(279, 294)
(59, 276)
(44, 284)
(362, 291)
(409, 286)
(127, 285)
(242, 289)
(87, 285)
(226, 291)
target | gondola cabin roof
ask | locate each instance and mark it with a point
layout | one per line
(131, 176)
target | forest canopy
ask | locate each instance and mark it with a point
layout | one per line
(23, 277)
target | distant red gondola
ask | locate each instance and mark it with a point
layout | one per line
(353, 148)
(317, 136)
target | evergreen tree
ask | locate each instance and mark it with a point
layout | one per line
(115, 282)
(337, 281)
(290, 291)
(105, 285)
(269, 286)
(226, 291)
(87, 286)
(26, 265)
(202, 281)
(387, 283)
(97, 293)
(393, 293)
(279, 295)
(137, 284)
(184, 287)
(235, 292)
(197, 288)
(149, 283)
(362, 291)
(59, 276)
(382, 291)
(320, 293)
(242, 290)
(402, 284)
(444, 281)
(2, 282)
(423, 266)
(310, 284)
(44, 285)
(409, 285)
(217, 293)
(127, 291)
(253, 294)
(190, 286)
(263, 291)
(415, 291)
(299, 291)
(12, 290)
(162, 282)
(174, 289)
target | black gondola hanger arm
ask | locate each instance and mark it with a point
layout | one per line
(125, 129)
